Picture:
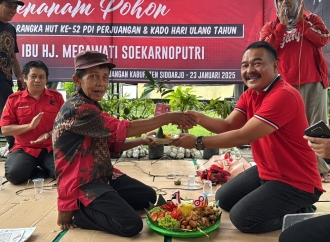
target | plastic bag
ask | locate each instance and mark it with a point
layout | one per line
(224, 168)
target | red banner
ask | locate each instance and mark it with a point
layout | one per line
(182, 40)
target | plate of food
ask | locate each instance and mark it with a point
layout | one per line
(184, 220)
(162, 138)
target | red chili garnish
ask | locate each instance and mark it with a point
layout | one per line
(166, 207)
(171, 204)
(176, 213)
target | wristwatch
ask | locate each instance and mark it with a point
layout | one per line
(199, 143)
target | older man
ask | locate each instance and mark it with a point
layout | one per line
(29, 116)
(90, 190)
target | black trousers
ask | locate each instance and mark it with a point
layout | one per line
(311, 230)
(257, 206)
(5, 91)
(20, 166)
(114, 212)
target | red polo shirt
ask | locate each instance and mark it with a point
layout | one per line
(283, 155)
(21, 108)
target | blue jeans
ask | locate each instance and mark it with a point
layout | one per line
(258, 206)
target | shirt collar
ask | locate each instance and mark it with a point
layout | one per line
(25, 92)
(271, 85)
(81, 92)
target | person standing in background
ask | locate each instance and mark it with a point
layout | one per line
(8, 60)
(298, 37)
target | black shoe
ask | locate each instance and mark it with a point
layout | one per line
(310, 209)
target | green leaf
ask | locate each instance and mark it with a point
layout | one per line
(160, 201)
(155, 85)
(167, 91)
(183, 99)
(149, 76)
(160, 133)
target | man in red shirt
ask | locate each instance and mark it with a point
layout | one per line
(270, 116)
(29, 116)
(92, 194)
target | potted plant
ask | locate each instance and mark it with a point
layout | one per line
(161, 87)
(183, 100)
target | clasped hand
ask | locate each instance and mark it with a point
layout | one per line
(34, 123)
(283, 15)
(184, 120)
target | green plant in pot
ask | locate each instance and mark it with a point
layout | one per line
(219, 108)
(161, 87)
(183, 100)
